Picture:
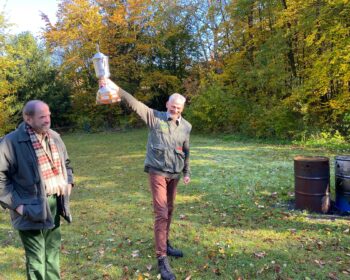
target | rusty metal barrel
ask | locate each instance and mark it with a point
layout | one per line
(342, 183)
(312, 189)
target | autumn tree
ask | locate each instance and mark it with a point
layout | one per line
(35, 77)
(7, 97)
(149, 45)
(285, 68)
(265, 68)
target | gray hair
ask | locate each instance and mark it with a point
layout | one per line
(177, 98)
(29, 108)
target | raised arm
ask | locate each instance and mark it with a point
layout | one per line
(146, 113)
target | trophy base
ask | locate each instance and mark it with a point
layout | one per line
(107, 97)
(107, 101)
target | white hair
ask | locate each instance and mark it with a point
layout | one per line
(177, 98)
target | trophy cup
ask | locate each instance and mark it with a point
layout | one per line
(106, 94)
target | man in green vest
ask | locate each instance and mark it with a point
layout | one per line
(35, 176)
(167, 157)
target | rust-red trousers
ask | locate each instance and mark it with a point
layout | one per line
(164, 193)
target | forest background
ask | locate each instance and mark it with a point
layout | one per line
(256, 68)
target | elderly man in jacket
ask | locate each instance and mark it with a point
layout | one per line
(34, 178)
(167, 157)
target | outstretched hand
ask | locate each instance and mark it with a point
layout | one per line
(107, 82)
(112, 87)
(102, 82)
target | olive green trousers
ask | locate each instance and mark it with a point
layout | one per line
(42, 248)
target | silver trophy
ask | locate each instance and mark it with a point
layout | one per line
(106, 94)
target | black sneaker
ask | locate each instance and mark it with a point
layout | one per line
(165, 269)
(170, 251)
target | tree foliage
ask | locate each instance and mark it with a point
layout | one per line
(7, 97)
(35, 77)
(265, 68)
(149, 45)
(287, 62)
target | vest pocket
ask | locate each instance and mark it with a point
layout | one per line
(179, 161)
(158, 152)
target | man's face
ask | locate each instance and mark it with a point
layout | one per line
(174, 109)
(41, 121)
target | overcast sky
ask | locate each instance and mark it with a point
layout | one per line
(25, 14)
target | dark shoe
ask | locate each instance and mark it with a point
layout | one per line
(170, 251)
(165, 269)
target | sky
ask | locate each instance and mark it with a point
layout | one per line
(25, 14)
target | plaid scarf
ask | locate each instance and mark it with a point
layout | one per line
(50, 167)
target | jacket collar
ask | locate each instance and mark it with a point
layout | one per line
(22, 133)
(178, 121)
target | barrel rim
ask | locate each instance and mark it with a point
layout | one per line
(343, 157)
(311, 158)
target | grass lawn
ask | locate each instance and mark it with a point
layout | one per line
(234, 221)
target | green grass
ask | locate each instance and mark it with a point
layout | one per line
(234, 221)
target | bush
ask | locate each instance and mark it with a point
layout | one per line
(214, 110)
(329, 140)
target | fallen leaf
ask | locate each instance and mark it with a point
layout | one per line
(260, 255)
(277, 268)
(135, 253)
(108, 265)
(101, 252)
(182, 217)
(217, 271)
(197, 239)
(320, 262)
(333, 276)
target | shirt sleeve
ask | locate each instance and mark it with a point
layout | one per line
(146, 113)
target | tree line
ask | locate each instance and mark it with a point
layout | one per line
(268, 68)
